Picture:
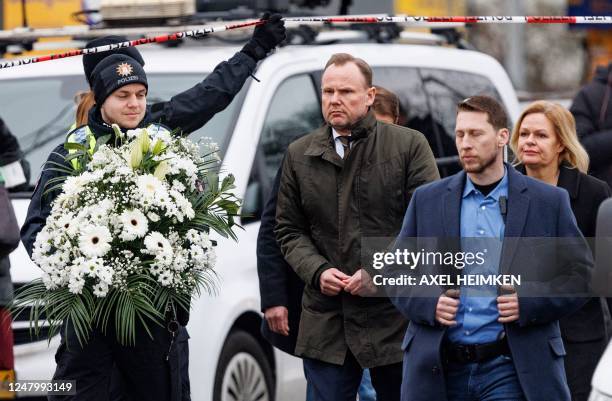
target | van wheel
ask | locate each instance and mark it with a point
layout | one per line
(243, 372)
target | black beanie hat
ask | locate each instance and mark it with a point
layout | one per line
(112, 73)
(91, 60)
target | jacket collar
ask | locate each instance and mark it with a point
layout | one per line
(569, 179)
(322, 143)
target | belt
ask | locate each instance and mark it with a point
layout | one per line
(474, 353)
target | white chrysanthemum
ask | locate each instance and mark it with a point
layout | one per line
(178, 186)
(165, 278)
(100, 290)
(133, 133)
(73, 185)
(94, 241)
(76, 285)
(105, 275)
(134, 224)
(209, 260)
(101, 212)
(197, 253)
(43, 241)
(58, 278)
(157, 244)
(193, 236)
(180, 261)
(161, 133)
(205, 241)
(48, 282)
(183, 206)
(89, 177)
(155, 269)
(102, 158)
(164, 259)
(91, 267)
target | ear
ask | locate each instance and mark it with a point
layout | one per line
(503, 135)
(371, 94)
(560, 148)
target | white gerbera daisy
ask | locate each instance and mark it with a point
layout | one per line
(64, 221)
(134, 224)
(94, 241)
(157, 244)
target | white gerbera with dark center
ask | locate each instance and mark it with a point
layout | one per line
(157, 244)
(134, 223)
(94, 241)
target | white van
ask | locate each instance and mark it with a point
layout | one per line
(253, 133)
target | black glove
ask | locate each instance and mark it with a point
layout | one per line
(266, 37)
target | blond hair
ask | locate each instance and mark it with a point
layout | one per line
(565, 129)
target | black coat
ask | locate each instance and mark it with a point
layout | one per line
(278, 283)
(592, 108)
(9, 240)
(9, 229)
(586, 194)
(10, 151)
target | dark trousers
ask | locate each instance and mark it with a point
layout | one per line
(331, 382)
(119, 391)
(580, 363)
(149, 369)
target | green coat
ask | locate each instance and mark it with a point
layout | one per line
(325, 206)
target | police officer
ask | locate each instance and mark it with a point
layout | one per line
(119, 88)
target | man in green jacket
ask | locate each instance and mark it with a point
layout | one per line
(348, 180)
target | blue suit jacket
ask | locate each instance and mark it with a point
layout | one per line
(535, 209)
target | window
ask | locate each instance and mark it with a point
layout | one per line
(429, 99)
(294, 111)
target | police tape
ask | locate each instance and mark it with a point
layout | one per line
(461, 19)
(411, 20)
(205, 30)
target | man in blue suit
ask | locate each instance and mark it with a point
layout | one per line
(500, 346)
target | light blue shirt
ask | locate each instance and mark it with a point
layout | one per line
(338, 144)
(482, 228)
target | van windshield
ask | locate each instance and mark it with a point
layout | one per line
(40, 111)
